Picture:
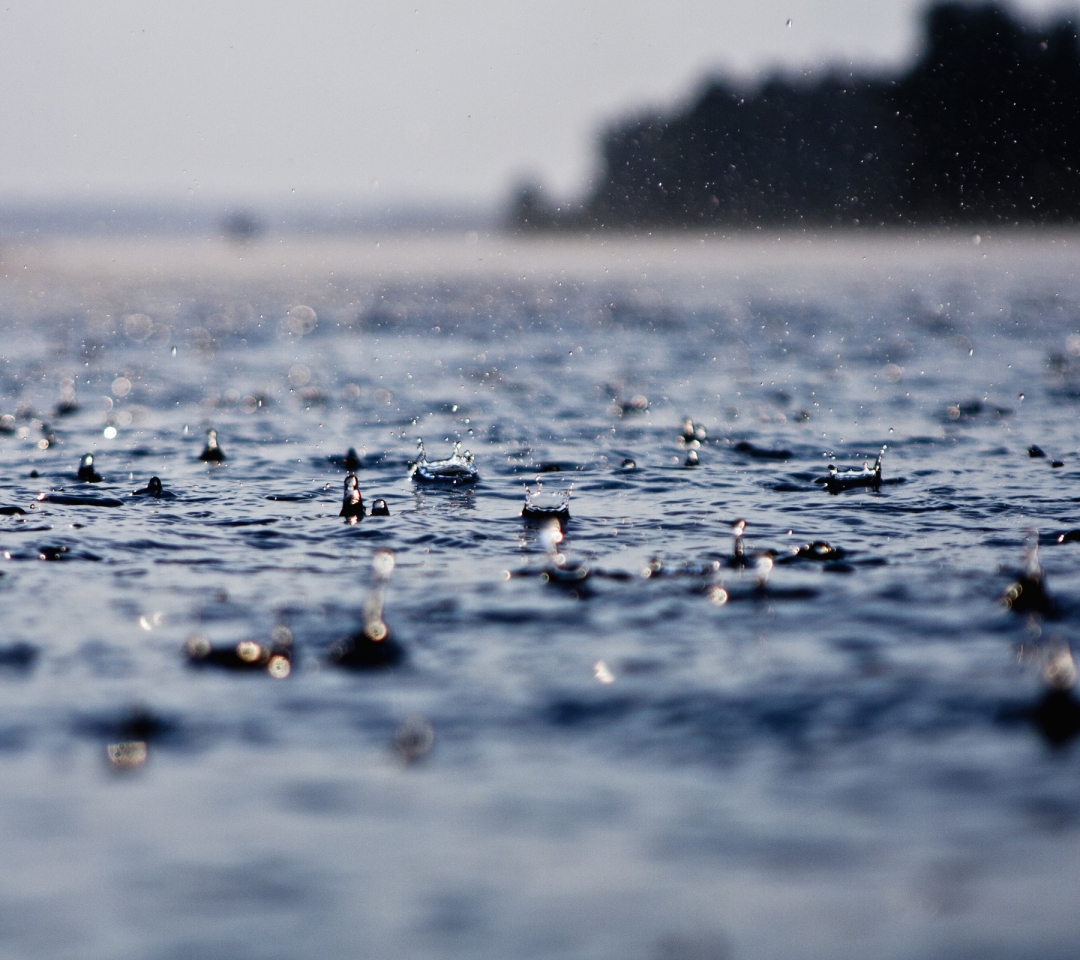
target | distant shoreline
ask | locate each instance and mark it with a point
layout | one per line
(981, 130)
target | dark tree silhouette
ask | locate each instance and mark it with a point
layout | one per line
(985, 127)
(991, 120)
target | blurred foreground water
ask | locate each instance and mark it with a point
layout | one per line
(658, 760)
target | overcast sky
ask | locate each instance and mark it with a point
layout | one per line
(450, 100)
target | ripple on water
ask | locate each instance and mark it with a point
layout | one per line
(758, 729)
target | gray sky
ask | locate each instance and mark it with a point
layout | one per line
(377, 102)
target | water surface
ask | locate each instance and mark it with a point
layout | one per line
(841, 765)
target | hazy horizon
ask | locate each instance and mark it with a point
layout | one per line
(372, 108)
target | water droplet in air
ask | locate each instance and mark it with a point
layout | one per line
(300, 320)
(139, 326)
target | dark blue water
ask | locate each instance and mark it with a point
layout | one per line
(841, 763)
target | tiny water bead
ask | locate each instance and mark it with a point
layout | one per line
(352, 506)
(212, 452)
(693, 432)
(86, 472)
(819, 550)
(155, 489)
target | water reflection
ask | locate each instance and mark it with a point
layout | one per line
(1057, 714)
(1027, 594)
(738, 548)
(559, 570)
(452, 497)
(275, 657)
(760, 453)
(373, 646)
(351, 460)
(414, 739)
(18, 657)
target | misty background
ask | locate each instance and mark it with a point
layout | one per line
(426, 112)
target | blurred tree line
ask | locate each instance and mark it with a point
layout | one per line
(984, 128)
